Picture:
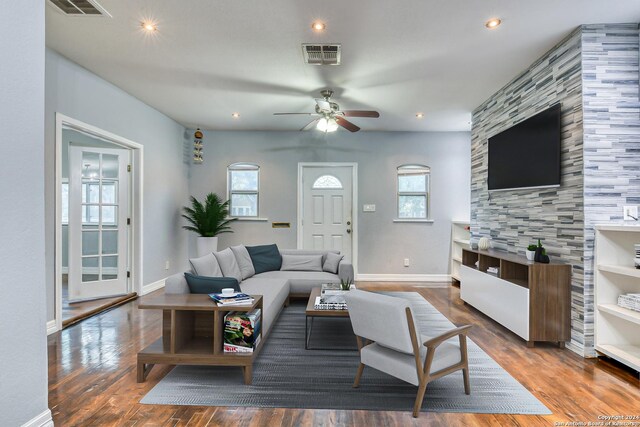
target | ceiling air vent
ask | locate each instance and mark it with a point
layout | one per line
(321, 54)
(80, 7)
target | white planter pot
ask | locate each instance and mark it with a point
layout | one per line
(530, 255)
(206, 245)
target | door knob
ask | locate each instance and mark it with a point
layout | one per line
(349, 230)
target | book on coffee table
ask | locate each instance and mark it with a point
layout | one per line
(321, 305)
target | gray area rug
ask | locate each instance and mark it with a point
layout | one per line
(286, 375)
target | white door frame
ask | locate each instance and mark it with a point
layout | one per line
(136, 240)
(354, 203)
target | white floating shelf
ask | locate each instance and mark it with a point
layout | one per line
(457, 259)
(627, 354)
(620, 269)
(621, 312)
(462, 242)
(618, 227)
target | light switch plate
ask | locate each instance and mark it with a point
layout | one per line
(630, 213)
(368, 208)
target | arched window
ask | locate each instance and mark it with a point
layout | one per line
(413, 191)
(244, 189)
(327, 182)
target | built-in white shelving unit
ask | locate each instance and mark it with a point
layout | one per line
(460, 237)
(617, 329)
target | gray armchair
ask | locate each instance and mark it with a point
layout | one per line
(393, 344)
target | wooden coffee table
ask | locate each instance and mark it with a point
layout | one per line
(193, 334)
(312, 313)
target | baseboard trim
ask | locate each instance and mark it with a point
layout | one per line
(42, 420)
(52, 327)
(424, 278)
(147, 289)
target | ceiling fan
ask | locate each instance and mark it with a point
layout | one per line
(329, 116)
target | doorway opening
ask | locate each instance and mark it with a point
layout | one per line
(98, 220)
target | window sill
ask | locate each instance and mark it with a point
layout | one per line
(428, 221)
(250, 219)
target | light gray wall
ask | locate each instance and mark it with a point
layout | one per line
(80, 94)
(23, 348)
(383, 244)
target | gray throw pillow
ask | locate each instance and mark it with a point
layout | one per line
(244, 261)
(206, 266)
(301, 263)
(332, 262)
(228, 264)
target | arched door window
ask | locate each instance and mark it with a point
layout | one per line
(327, 182)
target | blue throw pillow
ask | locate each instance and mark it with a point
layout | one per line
(265, 258)
(210, 285)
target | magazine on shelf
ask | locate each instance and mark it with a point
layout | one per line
(319, 305)
(242, 331)
(237, 298)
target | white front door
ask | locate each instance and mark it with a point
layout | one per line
(327, 217)
(98, 229)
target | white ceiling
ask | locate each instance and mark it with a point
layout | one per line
(210, 58)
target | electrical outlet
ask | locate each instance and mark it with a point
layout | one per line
(166, 265)
(406, 262)
(630, 213)
(368, 208)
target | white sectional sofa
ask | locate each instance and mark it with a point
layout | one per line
(276, 286)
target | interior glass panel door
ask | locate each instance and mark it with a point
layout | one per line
(98, 228)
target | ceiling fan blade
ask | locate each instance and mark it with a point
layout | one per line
(294, 114)
(361, 113)
(346, 124)
(323, 105)
(310, 125)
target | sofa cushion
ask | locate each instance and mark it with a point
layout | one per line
(301, 263)
(206, 266)
(308, 252)
(300, 282)
(210, 285)
(332, 262)
(228, 264)
(274, 293)
(265, 258)
(244, 261)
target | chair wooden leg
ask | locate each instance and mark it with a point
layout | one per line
(356, 383)
(419, 398)
(465, 376)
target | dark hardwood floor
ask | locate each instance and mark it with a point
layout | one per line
(92, 378)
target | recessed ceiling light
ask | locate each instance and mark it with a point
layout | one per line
(319, 26)
(235, 115)
(419, 115)
(492, 23)
(149, 26)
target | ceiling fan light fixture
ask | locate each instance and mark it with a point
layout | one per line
(327, 125)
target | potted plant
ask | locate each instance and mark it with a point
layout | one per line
(208, 219)
(531, 252)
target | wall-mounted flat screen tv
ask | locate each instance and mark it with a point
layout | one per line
(527, 154)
